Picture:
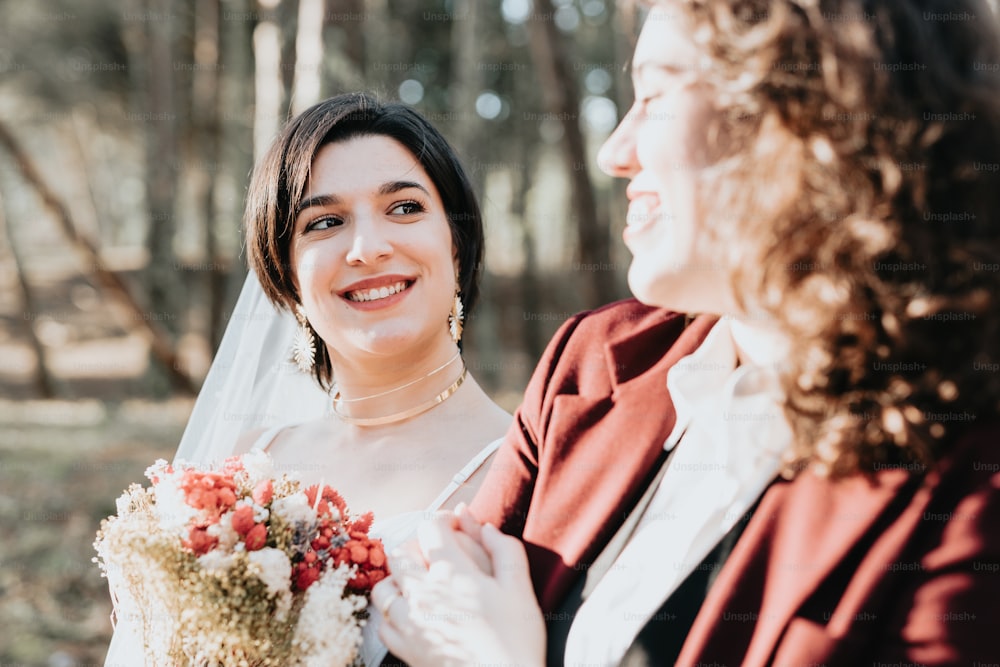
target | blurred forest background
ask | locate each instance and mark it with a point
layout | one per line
(128, 129)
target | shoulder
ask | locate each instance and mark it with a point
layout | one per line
(624, 339)
(971, 466)
(624, 318)
(264, 437)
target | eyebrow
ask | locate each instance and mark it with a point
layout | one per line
(389, 188)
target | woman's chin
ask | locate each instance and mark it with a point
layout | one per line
(393, 341)
(682, 292)
(652, 289)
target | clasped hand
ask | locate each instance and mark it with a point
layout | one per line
(460, 594)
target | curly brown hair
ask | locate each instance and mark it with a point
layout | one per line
(857, 187)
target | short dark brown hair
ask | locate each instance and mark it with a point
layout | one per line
(280, 179)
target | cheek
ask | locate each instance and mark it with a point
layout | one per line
(309, 270)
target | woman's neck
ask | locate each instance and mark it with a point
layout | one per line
(376, 386)
(757, 341)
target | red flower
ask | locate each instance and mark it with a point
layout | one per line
(362, 524)
(359, 553)
(376, 555)
(328, 496)
(199, 541)
(368, 556)
(211, 492)
(243, 520)
(322, 541)
(256, 538)
(263, 492)
(305, 574)
(360, 582)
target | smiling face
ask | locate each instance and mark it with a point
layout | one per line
(372, 252)
(661, 145)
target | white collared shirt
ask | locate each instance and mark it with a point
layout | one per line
(734, 435)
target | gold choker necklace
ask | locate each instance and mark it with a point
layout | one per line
(399, 416)
(337, 397)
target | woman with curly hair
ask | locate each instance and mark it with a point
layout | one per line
(807, 472)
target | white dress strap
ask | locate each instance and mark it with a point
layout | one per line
(465, 473)
(266, 439)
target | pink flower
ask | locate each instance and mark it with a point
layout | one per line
(232, 465)
(263, 492)
(199, 541)
(243, 520)
(256, 538)
(211, 492)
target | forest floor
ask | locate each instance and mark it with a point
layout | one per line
(62, 465)
(64, 461)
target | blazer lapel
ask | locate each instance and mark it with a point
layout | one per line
(597, 451)
(800, 532)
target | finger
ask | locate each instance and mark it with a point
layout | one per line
(396, 612)
(439, 544)
(510, 563)
(467, 523)
(405, 561)
(475, 551)
(383, 593)
(393, 639)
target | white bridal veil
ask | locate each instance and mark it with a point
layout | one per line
(252, 382)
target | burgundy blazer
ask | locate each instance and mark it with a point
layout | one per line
(901, 568)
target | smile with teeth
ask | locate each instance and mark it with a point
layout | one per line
(642, 210)
(376, 293)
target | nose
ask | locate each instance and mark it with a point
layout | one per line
(617, 157)
(370, 244)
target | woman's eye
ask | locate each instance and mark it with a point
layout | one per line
(644, 101)
(326, 222)
(407, 208)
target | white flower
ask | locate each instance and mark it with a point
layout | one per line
(228, 537)
(157, 470)
(258, 466)
(294, 509)
(327, 632)
(170, 509)
(216, 562)
(273, 568)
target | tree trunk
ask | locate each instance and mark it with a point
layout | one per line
(236, 148)
(159, 339)
(308, 55)
(377, 41)
(269, 89)
(353, 36)
(562, 101)
(43, 381)
(160, 122)
(466, 82)
(206, 110)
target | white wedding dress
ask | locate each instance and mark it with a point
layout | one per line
(394, 531)
(252, 383)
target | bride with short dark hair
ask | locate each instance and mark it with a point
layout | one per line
(343, 357)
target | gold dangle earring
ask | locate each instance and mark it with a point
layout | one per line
(304, 344)
(456, 317)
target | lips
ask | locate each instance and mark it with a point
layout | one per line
(376, 289)
(376, 293)
(642, 209)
